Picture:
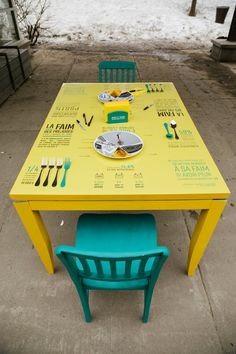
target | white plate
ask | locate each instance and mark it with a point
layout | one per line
(118, 144)
(106, 97)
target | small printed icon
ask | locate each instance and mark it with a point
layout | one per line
(138, 175)
(119, 175)
(99, 175)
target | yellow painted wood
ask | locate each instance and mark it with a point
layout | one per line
(120, 205)
(132, 198)
(37, 232)
(164, 169)
(203, 231)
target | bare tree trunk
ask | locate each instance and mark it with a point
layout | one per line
(192, 11)
(25, 8)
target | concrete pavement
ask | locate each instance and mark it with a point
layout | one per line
(41, 313)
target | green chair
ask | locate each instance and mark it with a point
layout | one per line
(117, 71)
(114, 252)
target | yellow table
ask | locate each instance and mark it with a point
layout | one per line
(168, 174)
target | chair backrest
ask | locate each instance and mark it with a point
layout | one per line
(117, 71)
(110, 267)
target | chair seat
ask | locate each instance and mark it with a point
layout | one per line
(116, 232)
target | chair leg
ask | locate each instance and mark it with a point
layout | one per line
(147, 302)
(84, 298)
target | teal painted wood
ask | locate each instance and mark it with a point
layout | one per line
(116, 232)
(99, 268)
(128, 265)
(117, 71)
(115, 262)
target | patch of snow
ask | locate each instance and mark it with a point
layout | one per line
(162, 21)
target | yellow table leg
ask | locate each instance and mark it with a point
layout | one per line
(204, 228)
(37, 232)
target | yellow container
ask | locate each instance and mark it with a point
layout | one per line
(117, 112)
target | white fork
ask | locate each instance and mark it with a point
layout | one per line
(59, 166)
(50, 166)
(44, 164)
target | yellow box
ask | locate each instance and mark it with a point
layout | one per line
(117, 112)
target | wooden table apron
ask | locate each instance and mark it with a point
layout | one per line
(168, 174)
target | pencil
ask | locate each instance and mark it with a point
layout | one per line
(150, 105)
(85, 120)
(80, 124)
(90, 121)
(136, 90)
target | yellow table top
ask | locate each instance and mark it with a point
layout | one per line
(166, 169)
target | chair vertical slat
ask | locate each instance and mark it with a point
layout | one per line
(128, 264)
(105, 75)
(111, 75)
(113, 268)
(117, 75)
(85, 266)
(128, 75)
(123, 75)
(99, 268)
(142, 266)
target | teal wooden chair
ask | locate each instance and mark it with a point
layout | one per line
(114, 252)
(117, 71)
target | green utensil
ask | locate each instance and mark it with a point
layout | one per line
(66, 168)
(148, 89)
(168, 135)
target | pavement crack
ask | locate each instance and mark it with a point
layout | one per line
(69, 70)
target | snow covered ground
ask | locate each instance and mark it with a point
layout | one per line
(164, 23)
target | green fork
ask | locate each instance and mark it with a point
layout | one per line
(67, 165)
